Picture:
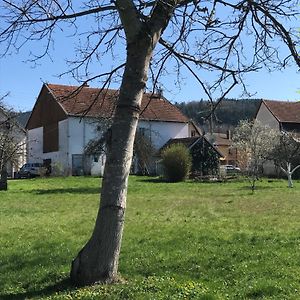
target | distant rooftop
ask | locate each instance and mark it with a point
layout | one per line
(283, 111)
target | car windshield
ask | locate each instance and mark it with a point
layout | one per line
(25, 166)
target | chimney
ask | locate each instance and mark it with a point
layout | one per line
(159, 92)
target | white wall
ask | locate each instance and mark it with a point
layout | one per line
(80, 133)
(35, 145)
(161, 132)
(97, 168)
(74, 135)
(59, 159)
(266, 118)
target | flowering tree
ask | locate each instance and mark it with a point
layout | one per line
(255, 142)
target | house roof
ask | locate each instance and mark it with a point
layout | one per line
(94, 102)
(222, 141)
(284, 112)
(189, 142)
(219, 139)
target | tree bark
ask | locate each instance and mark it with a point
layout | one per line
(290, 181)
(3, 179)
(98, 260)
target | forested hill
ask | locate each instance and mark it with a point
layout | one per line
(228, 113)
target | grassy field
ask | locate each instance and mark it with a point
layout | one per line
(181, 241)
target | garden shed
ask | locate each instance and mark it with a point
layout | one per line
(205, 156)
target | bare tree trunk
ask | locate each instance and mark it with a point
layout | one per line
(3, 179)
(98, 260)
(290, 181)
(289, 173)
(3, 171)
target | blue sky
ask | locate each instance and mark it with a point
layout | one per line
(24, 83)
(24, 80)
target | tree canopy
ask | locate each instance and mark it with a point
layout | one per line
(216, 41)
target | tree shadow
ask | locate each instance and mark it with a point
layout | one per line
(152, 180)
(60, 286)
(79, 190)
(257, 188)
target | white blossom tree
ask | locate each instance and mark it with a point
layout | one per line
(220, 40)
(255, 142)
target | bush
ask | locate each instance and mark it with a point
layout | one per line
(176, 161)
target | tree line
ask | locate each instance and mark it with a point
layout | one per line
(227, 114)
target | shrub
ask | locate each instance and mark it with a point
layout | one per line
(176, 161)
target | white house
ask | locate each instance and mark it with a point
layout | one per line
(65, 118)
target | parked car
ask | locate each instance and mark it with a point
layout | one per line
(31, 170)
(230, 169)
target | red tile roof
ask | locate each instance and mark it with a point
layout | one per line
(284, 111)
(95, 102)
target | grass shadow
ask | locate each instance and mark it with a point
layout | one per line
(60, 286)
(152, 180)
(79, 190)
(257, 188)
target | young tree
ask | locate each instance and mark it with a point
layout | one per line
(286, 154)
(143, 151)
(10, 143)
(199, 36)
(255, 141)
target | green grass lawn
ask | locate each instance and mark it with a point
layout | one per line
(181, 240)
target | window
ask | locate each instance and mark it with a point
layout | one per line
(142, 131)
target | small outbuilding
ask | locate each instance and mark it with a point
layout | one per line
(205, 156)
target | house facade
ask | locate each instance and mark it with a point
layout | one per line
(223, 143)
(66, 118)
(280, 116)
